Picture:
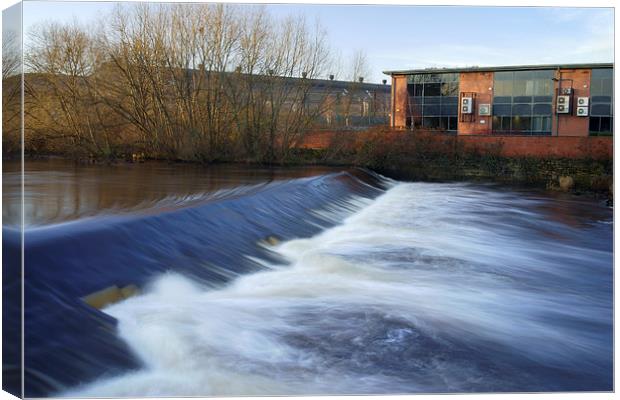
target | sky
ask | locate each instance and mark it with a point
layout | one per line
(407, 37)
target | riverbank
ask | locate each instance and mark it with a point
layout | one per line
(409, 161)
(571, 164)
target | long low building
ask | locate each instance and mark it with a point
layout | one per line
(558, 100)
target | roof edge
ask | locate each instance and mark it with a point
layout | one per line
(499, 68)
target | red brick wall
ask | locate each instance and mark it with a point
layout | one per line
(600, 148)
(482, 84)
(399, 108)
(571, 125)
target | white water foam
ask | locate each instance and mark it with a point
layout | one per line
(419, 262)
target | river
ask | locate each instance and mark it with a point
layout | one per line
(373, 285)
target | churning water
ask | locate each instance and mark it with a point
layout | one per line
(376, 287)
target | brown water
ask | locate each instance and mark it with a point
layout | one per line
(57, 190)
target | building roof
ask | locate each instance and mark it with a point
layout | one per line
(501, 68)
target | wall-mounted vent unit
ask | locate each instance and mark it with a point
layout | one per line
(562, 105)
(484, 109)
(582, 101)
(582, 111)
(467, 105)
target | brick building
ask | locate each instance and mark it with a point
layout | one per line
(551, 100)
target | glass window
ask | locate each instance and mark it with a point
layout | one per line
(432, 99)
(542, 109)
(523, 101)
(605, 124)
(601, 109)
(521, 123)
(436, 100)
(504, 75)
(502, 109)
(601, 101)
(541, 124)
(543, 99)
(432, 89)
(595, 123)
(506, 124)
(450, 89)
(502, 100)
(449, 109)
(431, 109)
(522, 109)
(430, 122)
(452, 123)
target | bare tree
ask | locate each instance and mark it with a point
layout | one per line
(63, 58)
(199, 81)
(11, 92)
(359, 66)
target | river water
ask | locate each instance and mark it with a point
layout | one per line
(373, 286)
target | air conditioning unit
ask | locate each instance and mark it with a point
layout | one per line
(582, 111)
(582, 101)
(566, 91)
(484, 109)
(467, 105)
(562, 105)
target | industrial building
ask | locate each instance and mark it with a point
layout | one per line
(551, 100)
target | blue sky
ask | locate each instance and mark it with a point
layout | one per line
(401, 37)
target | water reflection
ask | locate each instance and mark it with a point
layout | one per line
(59, 190)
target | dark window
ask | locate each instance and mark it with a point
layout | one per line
(543, 99)
(431, 122)
(521, 123)
(506, 123)
(432, 89)
(541, 124)
(502, 109)
(435, 100)
(522, 101)
(417, 122)
(595, 124)
(502, 100)
(601, 109)
(419, 88)
(601, 101)
(416, 109)
(605, 124)
(450, 89)
(541, 109)
(453, 123)
(522, 109)
(432, 109)
(432, 100)
(449, 109)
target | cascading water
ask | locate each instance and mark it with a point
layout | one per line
(376, 287)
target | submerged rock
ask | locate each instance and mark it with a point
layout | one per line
(110, 295)
(567, 183)
(270, 241)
